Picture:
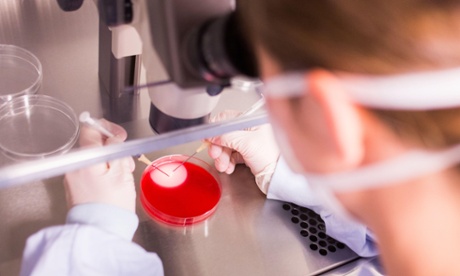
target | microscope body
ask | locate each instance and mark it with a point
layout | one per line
(183, 101)
(185, 57)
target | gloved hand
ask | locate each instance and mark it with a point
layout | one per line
(108, 183)
(256, 147)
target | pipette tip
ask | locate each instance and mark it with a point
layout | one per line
(84, 116)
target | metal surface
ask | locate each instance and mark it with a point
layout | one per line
(248, 235)
(312, 229)
(359, 267)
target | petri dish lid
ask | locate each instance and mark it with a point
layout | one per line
(37, 126)
(20, 72)
(184, 197)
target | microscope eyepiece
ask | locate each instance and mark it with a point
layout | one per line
(218, 50)
(70, 5)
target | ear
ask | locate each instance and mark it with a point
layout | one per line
(342, 119)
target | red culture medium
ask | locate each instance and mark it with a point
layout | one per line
(190, 202)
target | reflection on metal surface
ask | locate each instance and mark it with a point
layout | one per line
(360, 267)
(206, 230)
(248, 235)
(11, 20)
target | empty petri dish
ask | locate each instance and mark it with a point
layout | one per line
(37, 126)
(183, 197)
(20, 72)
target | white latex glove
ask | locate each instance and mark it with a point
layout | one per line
(109, 183)
(256, 147)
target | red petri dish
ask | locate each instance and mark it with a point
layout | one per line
(183, 197)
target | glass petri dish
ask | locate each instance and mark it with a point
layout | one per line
(20, 72)
(37, 126)
(184, 197)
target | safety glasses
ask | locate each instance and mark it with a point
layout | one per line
(414, 91)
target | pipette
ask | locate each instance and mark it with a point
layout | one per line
(205, 144)
(86, 118)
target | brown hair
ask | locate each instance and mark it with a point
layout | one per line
(365, 36)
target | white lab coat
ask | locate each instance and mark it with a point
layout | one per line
(288, 186)
(96, 240)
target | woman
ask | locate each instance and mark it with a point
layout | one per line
(362, 96)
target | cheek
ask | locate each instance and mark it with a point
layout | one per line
(280, 116)
(300, 132)
(287, 134)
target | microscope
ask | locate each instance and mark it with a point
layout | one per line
(185, 52)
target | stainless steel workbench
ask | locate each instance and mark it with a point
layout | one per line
(248, 235)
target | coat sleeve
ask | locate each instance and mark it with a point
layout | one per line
(96, 240)
(286, 185)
